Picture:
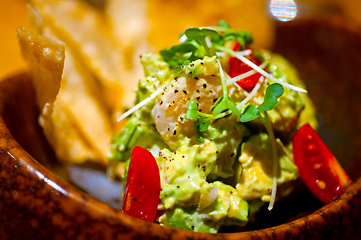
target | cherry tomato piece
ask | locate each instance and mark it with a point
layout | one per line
(318, 168)
(142, 188)
(237, 67)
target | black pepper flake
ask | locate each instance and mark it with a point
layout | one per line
(197, 91)
(185, 92)
(174, 132)
(183, 156)
(192, 227)
(178, 186)
(196, 78)
(161, 102)
(190, 73)
(232, 154)
(199, 165)
(215, 100)
(134, 198)
(181, 118)
(168, 129)
(175, 91)
(192, 64)
(230, 192)
(204, 86)
(201, 63)
(198, 97)
(213, 75)
(216, 152)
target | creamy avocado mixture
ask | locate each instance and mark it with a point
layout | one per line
(214, 165)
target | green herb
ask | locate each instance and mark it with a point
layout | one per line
(200, 125)
(196, 46)
(199, 35)
(273, 92)
(224, 102)
(229, 34)
(252, 112)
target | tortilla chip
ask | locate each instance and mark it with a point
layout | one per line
(84, 29)
(47, 61)
(73, 120)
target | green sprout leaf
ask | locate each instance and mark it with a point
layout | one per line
(199, 35)
(224, 103)
(192, 111)
(250, 113)
(273, 92)
(223, 23)
(201, 124)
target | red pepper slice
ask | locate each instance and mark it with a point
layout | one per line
(142, 188)
(318, 168)
(237, 67)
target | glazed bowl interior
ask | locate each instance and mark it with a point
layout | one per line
(326, 52)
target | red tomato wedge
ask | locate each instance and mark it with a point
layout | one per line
(237, 67)
(318, 168)
(142, 188)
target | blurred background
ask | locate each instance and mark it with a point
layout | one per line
(253, 15)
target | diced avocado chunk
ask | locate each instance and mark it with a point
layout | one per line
(188, 219)
(256, 175)
(227, 208)
(201, 67)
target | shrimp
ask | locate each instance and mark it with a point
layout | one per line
(170, 107)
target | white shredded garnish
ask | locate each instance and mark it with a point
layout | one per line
(182, 39)
(273, 194)
(245, 75)
(267, 75)
(251, 94)
(142, 103)
(243, 53)
(269, 129)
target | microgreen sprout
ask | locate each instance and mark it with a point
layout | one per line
(199, 35)
(224, 102)
(253, 112)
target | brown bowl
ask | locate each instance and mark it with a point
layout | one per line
(37, 204)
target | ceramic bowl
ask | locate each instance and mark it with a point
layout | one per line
(37, 204)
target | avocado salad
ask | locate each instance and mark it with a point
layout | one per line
(218, 115)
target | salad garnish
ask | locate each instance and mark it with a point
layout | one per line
(196, 43)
